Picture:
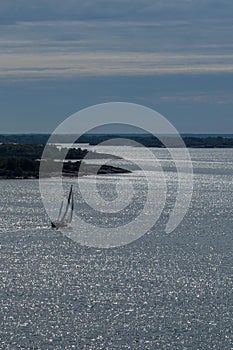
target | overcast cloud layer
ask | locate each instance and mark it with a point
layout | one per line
(99, 37)
(44, 49)
(53, 42)
(16, 10)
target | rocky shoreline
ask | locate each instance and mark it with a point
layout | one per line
(16, 172)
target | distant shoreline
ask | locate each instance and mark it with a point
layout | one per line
(22, 161)
(147, 140)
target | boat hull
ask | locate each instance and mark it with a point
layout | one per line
(58, 224)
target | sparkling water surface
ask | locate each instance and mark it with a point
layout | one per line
(163, 291)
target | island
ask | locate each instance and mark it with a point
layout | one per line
(22, 161)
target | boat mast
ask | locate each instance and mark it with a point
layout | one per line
(68, 203)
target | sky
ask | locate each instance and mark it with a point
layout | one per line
(175, 56)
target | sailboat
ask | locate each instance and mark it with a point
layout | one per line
(65, 217)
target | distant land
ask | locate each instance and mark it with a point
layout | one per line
(148, 140)
(20, 154)
(22, 161)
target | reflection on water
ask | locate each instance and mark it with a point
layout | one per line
(160, 292)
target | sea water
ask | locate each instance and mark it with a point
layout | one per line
(162, 291)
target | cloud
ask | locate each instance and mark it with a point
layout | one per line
(218, 98)
(136, 36)
(49, 65)
(29, 10)
(136, 41)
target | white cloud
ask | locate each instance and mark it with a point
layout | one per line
(109, 63)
